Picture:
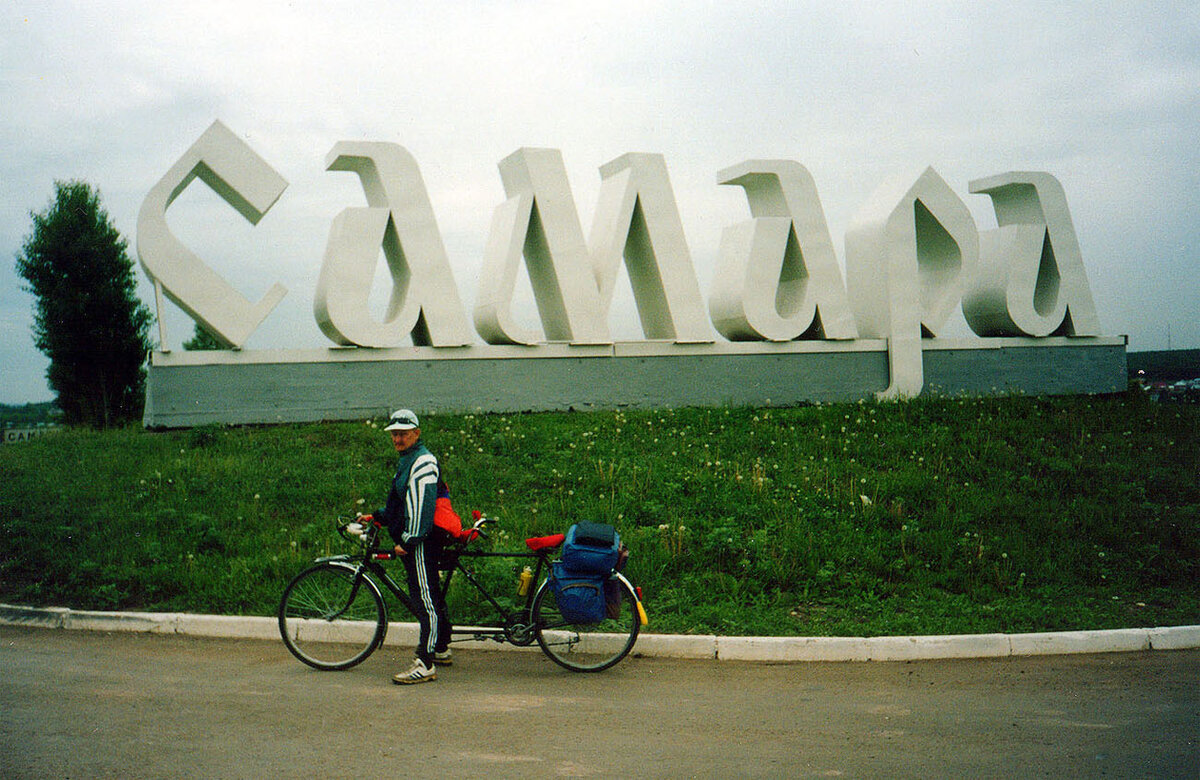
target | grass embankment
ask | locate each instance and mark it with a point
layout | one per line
(924, 517)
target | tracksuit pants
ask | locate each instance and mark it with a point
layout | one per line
(426, 598)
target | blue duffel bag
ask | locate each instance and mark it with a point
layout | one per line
(591, 548)
(580, 597)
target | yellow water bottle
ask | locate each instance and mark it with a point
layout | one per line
(524, 580)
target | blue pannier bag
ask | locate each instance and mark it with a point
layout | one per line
(591, 548)
(580, 597)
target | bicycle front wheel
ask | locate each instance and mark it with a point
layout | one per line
(332, 617)
(586, 647)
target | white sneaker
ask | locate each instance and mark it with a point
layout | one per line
(417, 673)
(444, 658)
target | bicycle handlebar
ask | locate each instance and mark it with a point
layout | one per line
(356, 530)
(365, 533)
(477, 529)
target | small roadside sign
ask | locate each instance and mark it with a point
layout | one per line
(18, 435)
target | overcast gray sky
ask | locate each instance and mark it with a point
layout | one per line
(1103, 95)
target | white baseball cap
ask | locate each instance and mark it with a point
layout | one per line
(402, 420)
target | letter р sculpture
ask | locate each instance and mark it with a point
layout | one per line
(910, 252)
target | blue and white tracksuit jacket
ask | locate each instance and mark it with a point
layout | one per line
(408, 516)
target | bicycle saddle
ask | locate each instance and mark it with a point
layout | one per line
(537, 543)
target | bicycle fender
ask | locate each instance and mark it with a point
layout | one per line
(334, 558)
(643, 618)
(616, 575)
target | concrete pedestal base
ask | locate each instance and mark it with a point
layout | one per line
(237, 387)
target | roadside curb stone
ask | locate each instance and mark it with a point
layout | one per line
(676, 646)
(1180, 638)
(231, 627)
(895, 648)
(722, 648)
(47, 617)
(1116, 641)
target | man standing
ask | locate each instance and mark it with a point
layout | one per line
(408, 516)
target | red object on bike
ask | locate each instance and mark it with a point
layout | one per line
(545, 542)
(445, 518)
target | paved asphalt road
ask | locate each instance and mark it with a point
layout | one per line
(85, 704)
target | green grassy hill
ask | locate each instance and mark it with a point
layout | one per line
(923, 517)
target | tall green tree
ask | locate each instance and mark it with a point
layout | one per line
(88, 319)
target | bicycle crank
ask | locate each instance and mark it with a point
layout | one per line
(518, 632)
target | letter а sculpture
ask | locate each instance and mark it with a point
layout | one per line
(778, 277)
(1031, 277)
(424, 298)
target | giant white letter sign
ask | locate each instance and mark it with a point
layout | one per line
(910, 253)
(243, 180)
(539, 222)
(637, 219)
(1031, 278)
(778, 277)
(424, 299)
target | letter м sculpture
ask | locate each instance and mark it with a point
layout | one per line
(538, 222)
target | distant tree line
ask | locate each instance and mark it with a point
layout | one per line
(17, 416)
(1165, 365)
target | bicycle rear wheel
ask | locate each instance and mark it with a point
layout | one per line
(332, 617)
(586, 647)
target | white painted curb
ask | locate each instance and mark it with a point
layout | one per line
(723, 648)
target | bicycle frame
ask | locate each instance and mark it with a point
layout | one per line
(499, 633)
(369, 561)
